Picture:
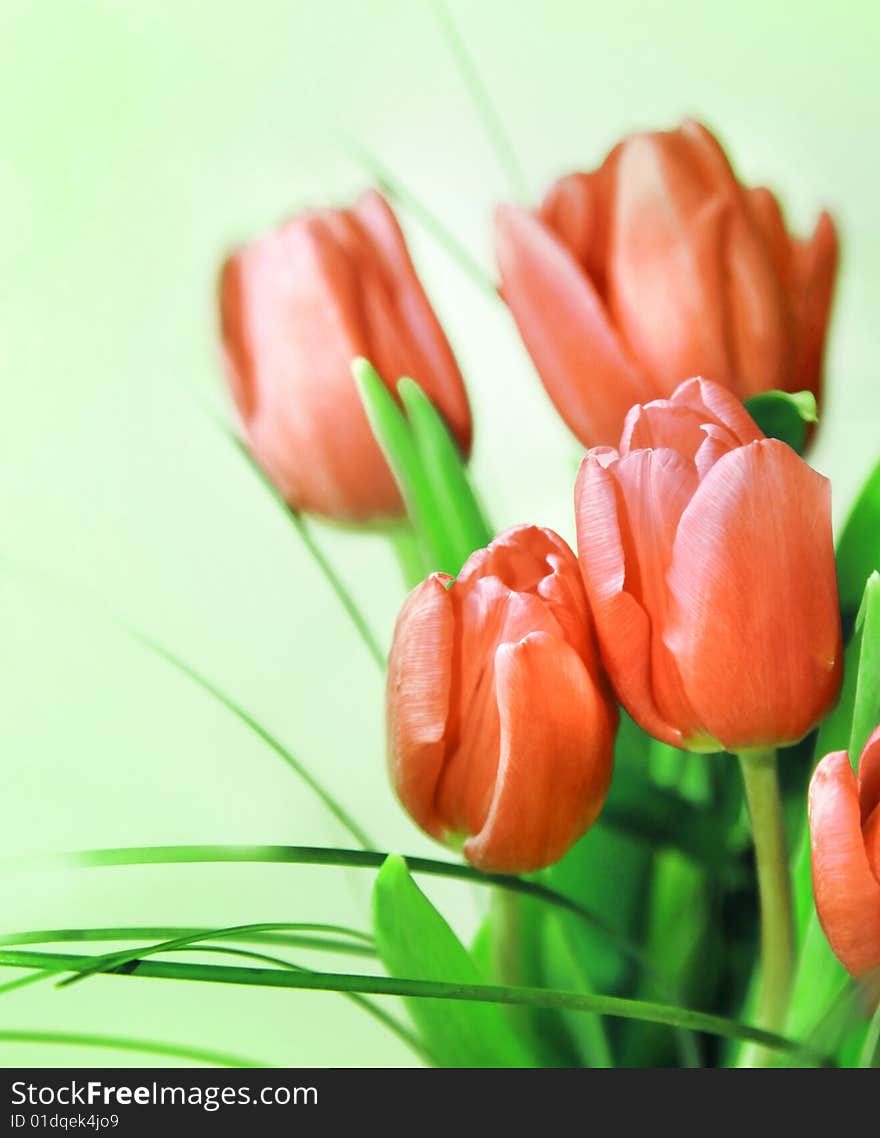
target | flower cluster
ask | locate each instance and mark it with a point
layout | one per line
(655, 295)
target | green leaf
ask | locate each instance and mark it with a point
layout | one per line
(866, 698)
(413, 940)
(858, 549)
(784, 415)
(496, 994)
(465, 526)
(428, 468)
(566, 968)
(393, 434)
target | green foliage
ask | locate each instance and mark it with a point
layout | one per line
(858, 550)
(785, 415)
(415, 942)
(444, 512)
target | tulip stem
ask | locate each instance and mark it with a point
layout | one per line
(506, 922)
(761, 781)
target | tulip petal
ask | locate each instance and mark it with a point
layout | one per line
(298, 329)
(488, 614)
(869, 776)
(753, 621)
(814, 265)
(759, 329)
(238, 355)
(718, 404)
(656, 486)
(429, 359)
(556, 756)
(417, 698)
(610, 571)
(846, 891)
(666, 278)
(585, 368)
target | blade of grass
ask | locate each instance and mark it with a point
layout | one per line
(108, 961)
(333, 579)
(616, 1006)
(479, 93)
(362, 943)
(307, 855)
(335, 808)
(123, 1043)
(394, 188)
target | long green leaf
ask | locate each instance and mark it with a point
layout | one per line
(111, 960)
(306, 855)
(858, 549)
(395, 189)
(336, 809)
(866, 700)
(784, 415)
(360, 945)
(427, 989)
(414, 940)
(123, 1043)
(461, 516)
(492, 123)
(394, 436)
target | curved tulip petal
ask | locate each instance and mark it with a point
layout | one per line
(488, 614)
(814, 266)
(610, 570)
(556, 756)
(303, 324)
(753, 618)
(239, 360)
(846, 890)
(417, 698)
(429, 361)
(718, 405)
(666, 278)
(869, 776)
(565, 327)
(757, 312)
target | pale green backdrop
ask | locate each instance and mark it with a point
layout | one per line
(138, 139)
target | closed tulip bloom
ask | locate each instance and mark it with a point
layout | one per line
(500, 725)
(296, 307)
(657, 266)
(707, 556)
(845, 847)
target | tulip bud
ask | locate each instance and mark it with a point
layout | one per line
(845, 847)
(500, 726)
(659, 266)
(707, 556)
(296, 307)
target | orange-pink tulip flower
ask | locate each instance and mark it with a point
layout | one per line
(658, 266)
(500, 724)
(707, 556)
(296, 307)
(845, 845)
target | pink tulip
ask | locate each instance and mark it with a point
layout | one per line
(845, 846)
(297, 306)
(707, 556)
(658, 266)
(500, 724)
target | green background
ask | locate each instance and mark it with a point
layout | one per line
(139, 140)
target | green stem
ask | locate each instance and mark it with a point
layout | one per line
(506, 925)
(774, 889)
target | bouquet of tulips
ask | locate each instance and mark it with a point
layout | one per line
(657, 751)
